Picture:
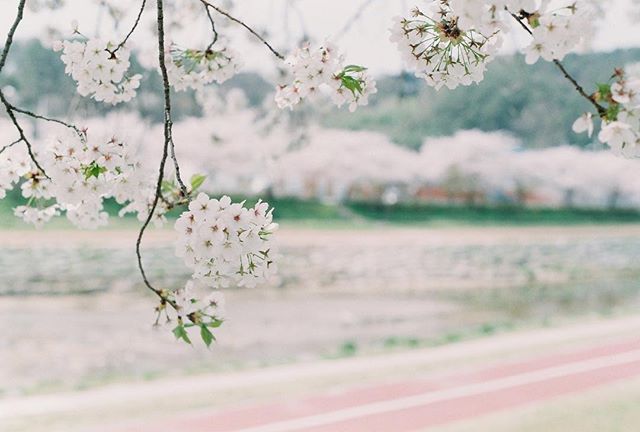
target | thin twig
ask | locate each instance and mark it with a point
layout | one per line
(49, 119)
(249, 29)
(135, 25)
(21, 133)
(602, 111)
(168, 122)
(8, 107)
(163, 160)
(12, 31)
(8, 146)
(213, 27)
(522, 24)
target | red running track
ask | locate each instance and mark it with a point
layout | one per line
(421, 403)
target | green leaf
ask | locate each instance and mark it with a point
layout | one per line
(206, 335)
(612, 112)
(93, 170)
(196, 181)
(215, 323)
(181, 333)
(354, 68)
(352, 84)
(604, 90)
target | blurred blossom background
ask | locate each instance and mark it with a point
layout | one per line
(424, 238)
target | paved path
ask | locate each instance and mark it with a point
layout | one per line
(419, 404)
(403, 391)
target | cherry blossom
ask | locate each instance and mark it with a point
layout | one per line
(584, 123)
(315, 70)
(450, 42)
(225, 243)
(81, 171)
(191, 68)
(620, 119)
(99, 68)
(437, 49)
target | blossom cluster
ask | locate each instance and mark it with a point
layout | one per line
(99, 69)
(226, 244)
(193, 68)
(14, 163)
(556, 31)
(438, 50)
(195, 306)
(313, 70)
(80, 174)
(620, 128)
(450, 42)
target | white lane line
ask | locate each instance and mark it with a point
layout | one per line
(448, 394)
(126, 394)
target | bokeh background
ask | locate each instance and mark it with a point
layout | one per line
(471, 221)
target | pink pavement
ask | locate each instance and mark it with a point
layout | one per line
(491, 389)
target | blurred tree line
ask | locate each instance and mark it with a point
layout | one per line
(36, 73)
(535, 103)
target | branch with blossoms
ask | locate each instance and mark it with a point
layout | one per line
(451, 42)
(533, 19)
(620, 125)
(226, 14)
(224, 243)
(10, 109)
(448, 43)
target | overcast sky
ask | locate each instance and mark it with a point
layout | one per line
(366, 42)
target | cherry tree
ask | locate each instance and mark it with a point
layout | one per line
(448, 43)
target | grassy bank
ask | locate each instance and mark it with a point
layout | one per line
(293, 211)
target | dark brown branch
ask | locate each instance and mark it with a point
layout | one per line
(249, 29)
(602, 111)
(8, 146)
(135, 25)
(8, 107)
(49, 119)
(12, 31)
(168, 122)
(21, 133)
(213, 27)
(165, 155)
(521, 22)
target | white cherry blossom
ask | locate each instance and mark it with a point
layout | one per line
(314, 71)
(99, 69)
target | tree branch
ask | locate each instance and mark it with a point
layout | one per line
(168, 143)
(168, 122)
(213, 27)
(135, 25)
(49, 119)
(602, 111)
(8, 146)
(12, 31)
(8, 107)
(21, 133)
(249, 29)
